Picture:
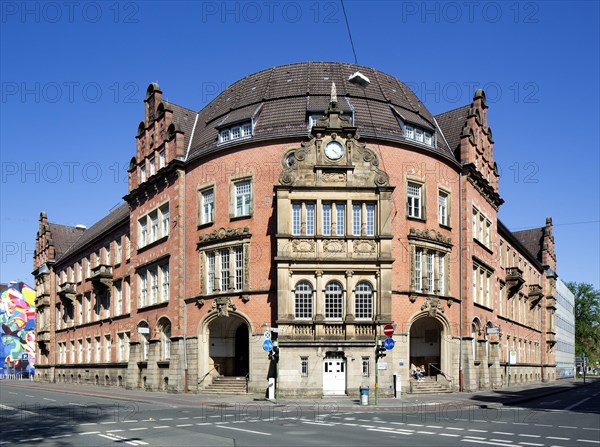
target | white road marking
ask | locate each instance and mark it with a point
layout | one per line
(59, 436)
(182, 419)
(531, 443)
(76, 404)
(162, 426)
(455, 428)
(51, 400)
(89, 433)
(567, 426)
(184, 425)
(6, 407)
(503, 433)
(449, 435)
(130, 422)
(558, 438)
(586, 428)
(88, 423)
(433, 426)
(483, 442)
(114, 431)
(529, 436)
(478, 431)
(108, 422)
(139, 428)
(425, 432)
(542, 425)
(519, 423)
(576, 404)
(167, 419)
(32, 439)
(588, 440)
(319, 423)
(242, 429)
(389, 432)
(474, 437)
(29, 395)
(501, 440)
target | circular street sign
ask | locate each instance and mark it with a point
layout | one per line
(268, 335)
(388, 343)
(388, 330)
(268, 345)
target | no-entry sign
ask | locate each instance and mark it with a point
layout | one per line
(388, 330)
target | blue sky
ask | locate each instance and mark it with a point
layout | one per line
(74, 74)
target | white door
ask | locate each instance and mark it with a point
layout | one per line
(334, 376)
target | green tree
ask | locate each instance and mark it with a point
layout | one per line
(587, 319)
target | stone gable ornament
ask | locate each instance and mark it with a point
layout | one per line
(432, 306)
(222, 305)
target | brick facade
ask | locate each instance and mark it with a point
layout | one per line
(243, 218)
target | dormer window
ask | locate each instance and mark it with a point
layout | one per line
(416, 134)
(312, 119)
(237, 132)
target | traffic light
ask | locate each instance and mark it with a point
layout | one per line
(274, 354)
(380, 351)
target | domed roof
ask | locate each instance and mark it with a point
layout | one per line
(280, 99)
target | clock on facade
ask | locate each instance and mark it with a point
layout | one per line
(334, 150)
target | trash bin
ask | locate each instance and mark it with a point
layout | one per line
(364, 395)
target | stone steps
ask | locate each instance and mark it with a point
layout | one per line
(428, 386)
(227, 385)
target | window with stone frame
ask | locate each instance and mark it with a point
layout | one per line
(303, 218)
(334, 300)
(415, 200)
(363, 301)
(241, 198)
(153, 226)
(206, 202)
(153, 284)
(429, 269)
(303, 300)
(481, 289)
(443, 207)
(225, 267)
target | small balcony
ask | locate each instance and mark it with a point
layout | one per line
(42, 300)
(535, 293)
(102, 276)
(550, 337)
(66, 291)
(43, 336)
(551, 302)
(514, 279)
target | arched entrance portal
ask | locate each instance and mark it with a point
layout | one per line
(425, 345)
(229, 345)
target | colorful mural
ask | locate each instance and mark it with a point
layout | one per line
(17, 329)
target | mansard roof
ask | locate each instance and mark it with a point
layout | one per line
(280, 98)
(101, 228)
(451, 123)
(532, 240)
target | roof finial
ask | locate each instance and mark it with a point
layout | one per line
(333, 99)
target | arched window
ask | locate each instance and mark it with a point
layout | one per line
(165, 338)
(303, 300)
(333, 300)
(363, 300)
(144, 337)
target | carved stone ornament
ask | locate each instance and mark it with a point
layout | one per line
(332, 177)
(364, 246)
(222, 305)
(431, 235)
(200, 302)
(412, 297)
(432, 306)
(303, 245)
(223, 234)
(334, 246)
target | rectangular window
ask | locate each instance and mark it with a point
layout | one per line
(153, 286)
(304, 366)
(488, 302)
(165, 282)
(208, 206)
(242, 198)
(488, 226)
(419, 135)
(224, 270)
(296, 218)
(142, 174)
(98, 350)
(152, 166)
(118, 299)
(340, 211)
(475, 284)
(501, 250)
(441, 274)
(164, 211)
(430, 271)
(127, 296)
(143, 240)
(475, 216)
(414, 200)
(427, 138)
(162, 159)
(143, 289)
(224, 136)
(310, 219)
(356, 218)
(370, 219)
(121, 347)
(418, 269)
(107, 348)
(247, 130)
(153, 227)
(409, 132)
(327, 219)
(365, 366)
(236, 133)
(88, 355)
(239, 268)
(443, 208)
(210, 272)
(118, 252)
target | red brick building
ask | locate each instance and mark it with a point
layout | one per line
(321, 199)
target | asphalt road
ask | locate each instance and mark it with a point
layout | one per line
(30, 415)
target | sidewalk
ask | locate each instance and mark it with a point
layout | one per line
(493, 398)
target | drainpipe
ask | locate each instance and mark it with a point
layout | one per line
(185, 356)
(460, 283)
